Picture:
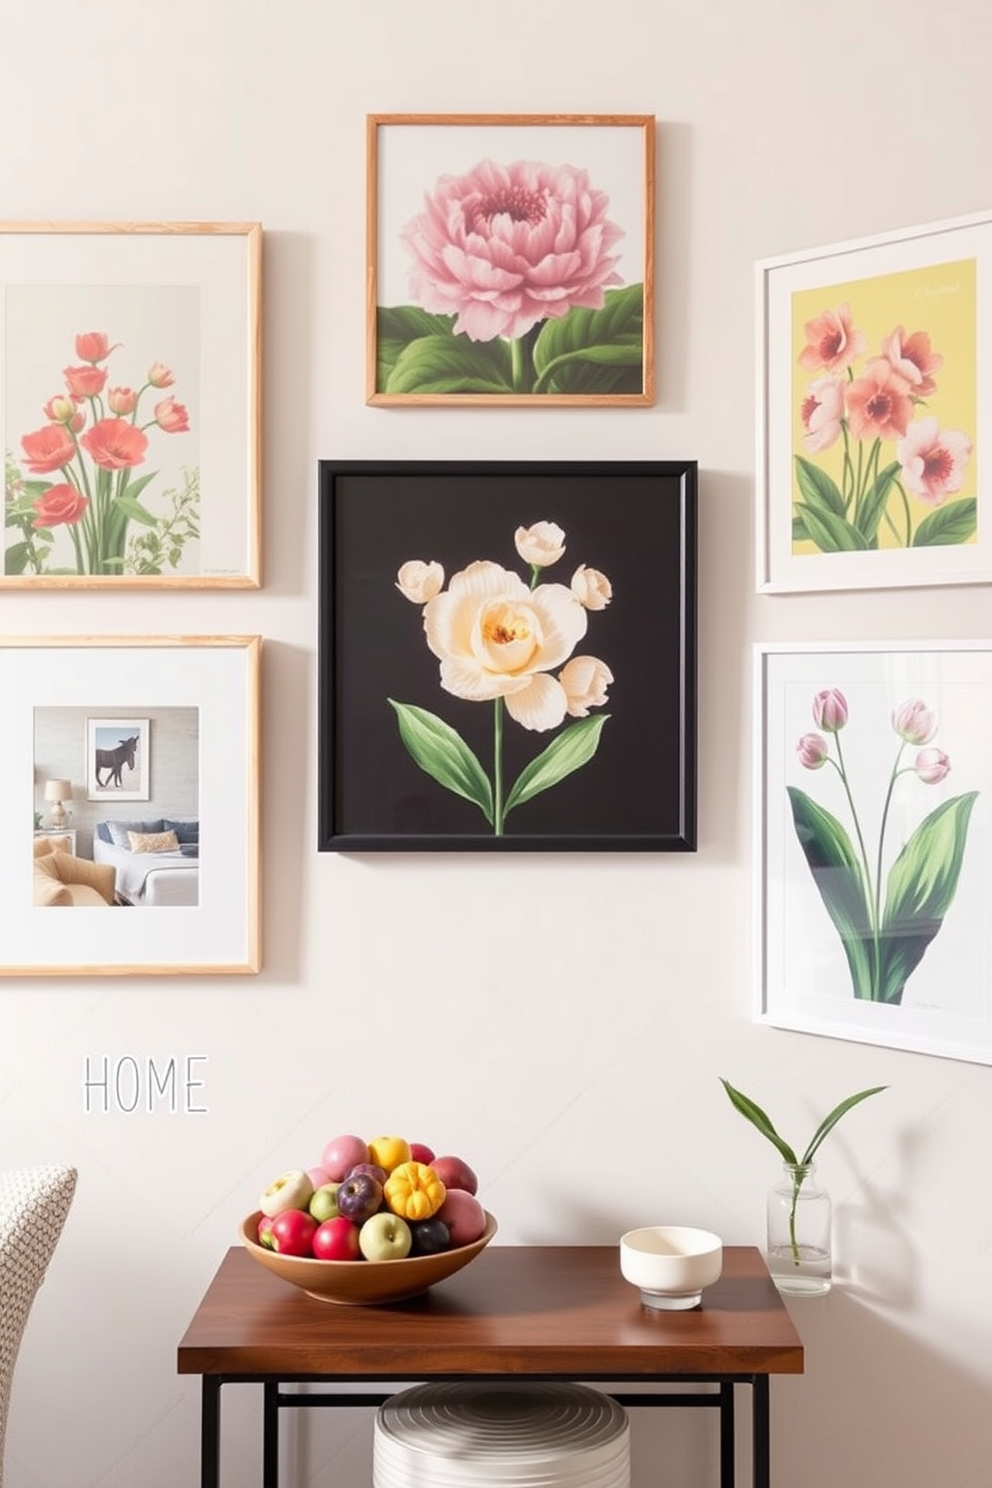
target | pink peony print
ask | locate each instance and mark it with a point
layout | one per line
(48, 449)
(60, 504)
(832, 343)
(507, 246)
(115, 444)
(933, 462)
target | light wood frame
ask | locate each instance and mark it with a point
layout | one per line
(487, 352)
(165, 493)
(220, 677)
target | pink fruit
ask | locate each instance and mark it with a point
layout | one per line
(464, 1216)
(264, 1232)
(318, 1177)
(454, 1173)
(420, 1152)
(292, 1232)
(336, 1240)
(342, 1153)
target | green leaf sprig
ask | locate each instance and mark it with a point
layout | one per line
(760, 1120)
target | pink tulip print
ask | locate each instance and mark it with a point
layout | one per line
(883, 452)
(886, 909)
(508, 640)
(513, 288)
(84, 474)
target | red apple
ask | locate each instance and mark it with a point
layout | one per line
(464, 1216)
(454, 1173)
(420, 1152)
(342, 1153)
(293, 1232)
(337, 1240)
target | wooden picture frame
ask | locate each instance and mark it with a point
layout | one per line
(510, 259)
(870, 428)
(130, 404)
(199, 700)
(507, 656)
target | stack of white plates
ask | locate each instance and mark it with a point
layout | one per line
(537, 1435)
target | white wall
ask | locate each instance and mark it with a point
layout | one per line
(570, 1045)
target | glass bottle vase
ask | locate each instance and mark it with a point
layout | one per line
(799, 1232)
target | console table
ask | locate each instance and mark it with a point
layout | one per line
(551, 1312)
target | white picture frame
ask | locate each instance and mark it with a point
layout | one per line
(870, 358)
(902, 800)
(130, 404)
(210, 684)
(118, 759)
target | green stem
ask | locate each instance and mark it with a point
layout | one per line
(498, 767)
(869, 891)
(797, 1174)
(896, 772)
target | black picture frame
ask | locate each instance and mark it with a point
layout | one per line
(632, 523)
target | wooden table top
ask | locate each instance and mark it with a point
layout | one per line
(556, 1310)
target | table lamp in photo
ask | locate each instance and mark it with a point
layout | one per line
(58, 791)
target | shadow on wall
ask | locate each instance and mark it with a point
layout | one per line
(901, 1414)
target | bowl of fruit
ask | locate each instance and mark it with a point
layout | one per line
(375, 1221)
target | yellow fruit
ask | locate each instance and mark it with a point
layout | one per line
(414, 1191)
(389, 1152)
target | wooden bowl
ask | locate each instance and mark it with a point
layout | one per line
(363, 1283)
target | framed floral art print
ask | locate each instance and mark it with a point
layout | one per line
(871, 430)
(507, 656)
(873, 842)
(130, 404)
(510, 259)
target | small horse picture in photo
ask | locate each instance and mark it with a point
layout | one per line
(117, 758)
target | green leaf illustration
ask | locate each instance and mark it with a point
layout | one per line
(818, 490)
(452, 364)
(921, 886)
(572, 749)
(832, 534)
(954, 523)
(875, 501)
(837, 875)
(134, 510)
(396, 327)
(594, 351)
(16, 557)
(444, 755)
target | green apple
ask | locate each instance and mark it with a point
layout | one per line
(324, 1204)
(385, 1237)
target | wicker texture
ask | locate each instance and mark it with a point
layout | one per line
(34, 1203)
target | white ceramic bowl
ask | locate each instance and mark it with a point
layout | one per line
(671, 1264)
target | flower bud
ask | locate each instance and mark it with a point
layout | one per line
(419, 582)
(813, 751)
(160, 376)
(914, 722)
(542, 544)
(830, 710)
(591, 588)
(121, 400)
(932, 766)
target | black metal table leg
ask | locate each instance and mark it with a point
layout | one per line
(727, 1470)
(761, 1443)
(210, 1432)
(270, 1434)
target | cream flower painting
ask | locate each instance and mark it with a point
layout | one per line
(507, 655)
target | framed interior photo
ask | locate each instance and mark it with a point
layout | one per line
(117, 759)
(510, 259)
(871, 431)
(507, 656)
(130, 387)
(80, 713)
(873, 862)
